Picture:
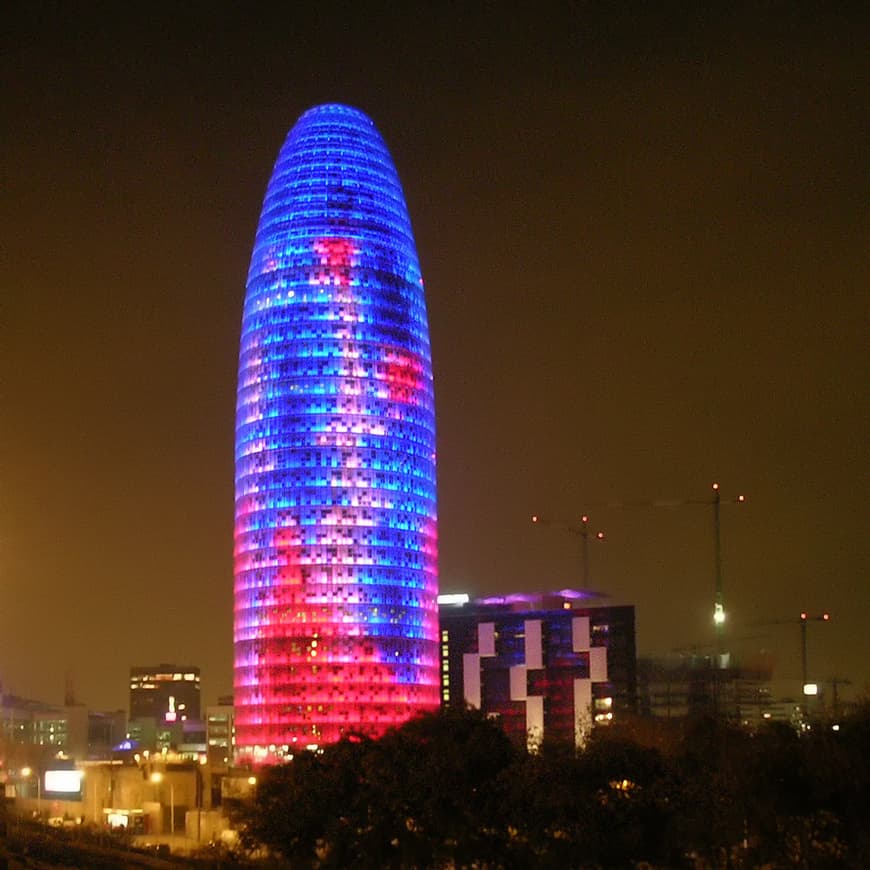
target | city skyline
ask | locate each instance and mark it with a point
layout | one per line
(644, 240)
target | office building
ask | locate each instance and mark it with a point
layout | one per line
(31, 729)
(547, 666)
(166, 693)
(680, 687)
(220, 732)
(336, 621)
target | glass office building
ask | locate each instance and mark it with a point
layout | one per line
(336, 621)
(545, 665)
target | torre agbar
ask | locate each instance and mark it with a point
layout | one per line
(336, 620)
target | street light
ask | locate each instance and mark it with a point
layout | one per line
(157, 778)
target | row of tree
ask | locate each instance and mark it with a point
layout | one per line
(449, 789)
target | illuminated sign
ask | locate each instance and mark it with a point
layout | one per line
(63, 781)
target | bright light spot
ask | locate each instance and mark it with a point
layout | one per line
(454, 598)
(811, 689)
(156, 777)
(835, 727)
(718, 614)
(252, 780)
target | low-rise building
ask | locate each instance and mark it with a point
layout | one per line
(547, 665)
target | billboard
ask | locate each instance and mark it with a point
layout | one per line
(63, 782)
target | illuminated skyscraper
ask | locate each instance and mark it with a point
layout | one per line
(336, 621)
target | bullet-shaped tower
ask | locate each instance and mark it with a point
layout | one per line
(336, 621)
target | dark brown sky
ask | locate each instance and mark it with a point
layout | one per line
(645, 242)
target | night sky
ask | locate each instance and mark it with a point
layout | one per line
(644, 233)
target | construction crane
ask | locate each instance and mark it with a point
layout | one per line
(715, 501)
(801, 620)
(582, 531)
(804, 619)
(835, 682)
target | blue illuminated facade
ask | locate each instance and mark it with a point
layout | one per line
(336, 621)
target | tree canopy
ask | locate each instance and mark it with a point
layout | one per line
(449, 789)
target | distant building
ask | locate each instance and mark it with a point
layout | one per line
(166, 693)
(33, 728)
(679, 687)
(142, 734)
(548, 666)
(220, 731)
(105, 731)
(185, 738)
(192, 743)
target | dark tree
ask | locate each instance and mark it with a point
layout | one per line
(423, 795)
(448, 789)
